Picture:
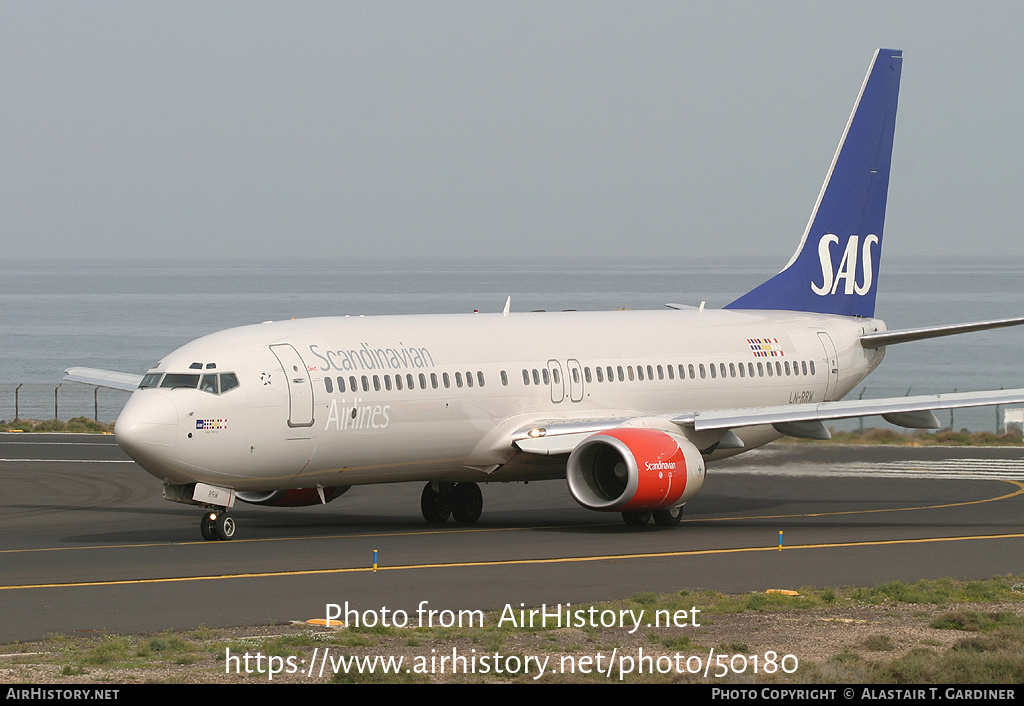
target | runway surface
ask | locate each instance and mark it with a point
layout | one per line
(87, 544)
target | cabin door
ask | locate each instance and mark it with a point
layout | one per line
(300, 388)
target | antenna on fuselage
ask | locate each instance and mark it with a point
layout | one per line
(508, 305)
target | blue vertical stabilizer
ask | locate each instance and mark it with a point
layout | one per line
(835, 268)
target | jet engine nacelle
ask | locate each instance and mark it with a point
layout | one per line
(296, 497)
(634, 469)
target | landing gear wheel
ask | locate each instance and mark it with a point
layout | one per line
(217, 525)
(670, 517)
(635, 518)
(467, 502)
(434, 502)
(206, 526)
(224, 527)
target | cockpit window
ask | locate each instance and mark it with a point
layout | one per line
(180, 380)
(209, 384)
(214, 383)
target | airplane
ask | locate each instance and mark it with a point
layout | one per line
(629, 407)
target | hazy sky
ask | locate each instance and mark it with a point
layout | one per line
(222, 129)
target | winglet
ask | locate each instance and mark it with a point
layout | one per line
(835, 267)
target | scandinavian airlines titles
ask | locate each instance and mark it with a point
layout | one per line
(368, 358)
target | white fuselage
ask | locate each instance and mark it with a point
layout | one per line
(354, 400)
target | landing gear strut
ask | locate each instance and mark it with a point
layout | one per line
(441, 500)
(217, 525)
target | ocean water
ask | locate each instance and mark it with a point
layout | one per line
(127, 315)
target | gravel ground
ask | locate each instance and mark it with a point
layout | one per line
(812, 636)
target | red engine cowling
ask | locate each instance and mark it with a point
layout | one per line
(296, 497)
(633, 468)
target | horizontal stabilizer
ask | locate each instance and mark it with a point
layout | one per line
(887, 338)
(128, 382)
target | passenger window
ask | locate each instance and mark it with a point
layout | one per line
(526, 376)
(639, 372)
(366, 384)
(712, 367)
(504, 378)
(387, 383)
(703, 375)
(600, 373)
(446, 380)
(329, 385)
(480, 377)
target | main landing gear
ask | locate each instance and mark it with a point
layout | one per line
(217, 524)
(663, 518)
(441, 500)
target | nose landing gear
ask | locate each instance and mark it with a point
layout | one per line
(217, 525)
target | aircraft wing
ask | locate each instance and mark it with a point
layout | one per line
(128, 382)
(804, 420)
(845, 409)
(560, 437)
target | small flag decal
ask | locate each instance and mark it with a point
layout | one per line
(211, 424)
(765, 347)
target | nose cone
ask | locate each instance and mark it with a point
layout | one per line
(147, 430)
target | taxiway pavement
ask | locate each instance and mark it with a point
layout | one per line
(87, 544)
